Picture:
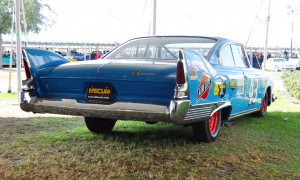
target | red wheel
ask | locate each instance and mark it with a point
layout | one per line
(264, 104)
(263, 108)
(213, 123)
(208, 130)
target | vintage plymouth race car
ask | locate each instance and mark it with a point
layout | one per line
(187, 80)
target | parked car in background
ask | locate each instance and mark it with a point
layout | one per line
(96, 55)
(296, 60)
(6, 59)
(188, 80)
(78, 56)
(60, 53)
(279, 64)
(74, 56)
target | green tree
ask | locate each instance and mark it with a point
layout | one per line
(35, 19)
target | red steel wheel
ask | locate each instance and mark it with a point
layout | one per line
(263, 108)
(214, 123)
(264, 105)
(208, 130)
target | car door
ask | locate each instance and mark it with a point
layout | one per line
(233, 64)
(251, 78)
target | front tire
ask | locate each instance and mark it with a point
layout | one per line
(207, 131)
(263, 108)
(100, 125)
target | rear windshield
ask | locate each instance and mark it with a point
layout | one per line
(161, 48)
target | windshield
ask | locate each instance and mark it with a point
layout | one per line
(161, 48)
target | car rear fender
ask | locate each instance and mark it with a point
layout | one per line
(37, 62)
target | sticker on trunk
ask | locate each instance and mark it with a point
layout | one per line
(99, 93)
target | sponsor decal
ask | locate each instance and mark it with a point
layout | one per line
(264, 83)
(204, 88)
(240, 86)
(99, 93)
(193, 74)
(232, 83)
(253, 92)
(220, 90)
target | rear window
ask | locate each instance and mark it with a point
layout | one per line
(161, 48)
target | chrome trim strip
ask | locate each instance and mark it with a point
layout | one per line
(198, 113)
(204, 111)
(243, 113)
(221, 105)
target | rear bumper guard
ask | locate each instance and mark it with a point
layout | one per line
(175, 113)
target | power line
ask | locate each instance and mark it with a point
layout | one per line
(254, 22)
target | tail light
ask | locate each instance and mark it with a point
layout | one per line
(28, 83)
(180, 75)
(181, 90)
(26, 66)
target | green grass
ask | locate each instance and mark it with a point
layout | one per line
(4, 96)
(63, 148)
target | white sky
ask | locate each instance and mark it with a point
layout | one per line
(120, 20)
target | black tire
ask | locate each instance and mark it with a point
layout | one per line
(264, 106)
(207, 131)
(100, 125)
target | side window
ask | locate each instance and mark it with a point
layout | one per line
(151, 52)
(140, 51)
(199, 62)
(164, 54)
(239, 56)
(129, 52)
(226, 58)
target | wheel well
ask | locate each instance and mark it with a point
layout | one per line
(225, 113)
(269, 93)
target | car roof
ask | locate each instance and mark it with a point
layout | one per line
(209, 38)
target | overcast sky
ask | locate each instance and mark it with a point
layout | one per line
(120, 20)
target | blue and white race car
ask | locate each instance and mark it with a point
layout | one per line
(187, 80)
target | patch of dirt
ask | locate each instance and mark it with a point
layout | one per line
(288, 96)
(11, 113)
(279, 86)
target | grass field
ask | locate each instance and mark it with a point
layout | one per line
(5, 96)
(63, 148)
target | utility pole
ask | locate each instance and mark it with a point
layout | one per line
(11, 50)
(292, 30)
(267, 36)
(154, 18)
(18, 49)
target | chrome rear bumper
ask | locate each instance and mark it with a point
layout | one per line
(179, 111)
(175, 113)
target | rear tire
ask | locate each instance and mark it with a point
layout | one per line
(100, 125)
(207, 131)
